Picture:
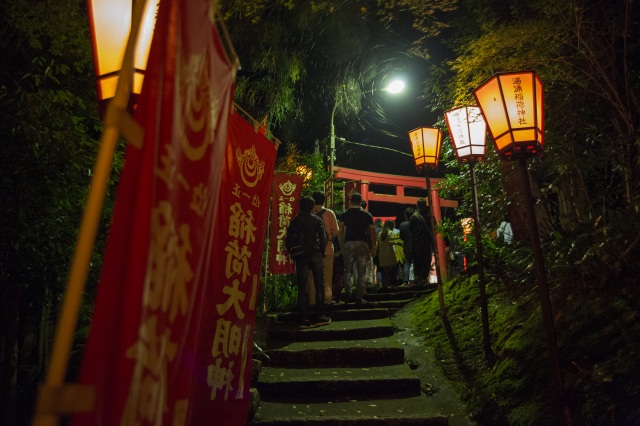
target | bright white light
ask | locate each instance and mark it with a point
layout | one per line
(396, 86)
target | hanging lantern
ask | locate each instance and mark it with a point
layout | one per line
(468, 131)
(426, 143)
(512, 106)
(110, 22)
(467, 226)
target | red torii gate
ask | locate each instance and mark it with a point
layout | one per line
(361, 181)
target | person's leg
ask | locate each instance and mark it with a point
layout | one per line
(420, 262)
(338, 272)
(312, 289)
(317, 269)
(386, 276)
(362, 258)
(302, 273)
(405, 271)
(328, 278)
(349, 261)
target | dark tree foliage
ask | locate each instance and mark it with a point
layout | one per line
(302, 59)
(48, 131)
(586, 185)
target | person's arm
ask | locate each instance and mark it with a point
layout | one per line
(322, 236)
(341, 234)
(333, 226)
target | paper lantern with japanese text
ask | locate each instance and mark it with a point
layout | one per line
(467, 130)
(512, 106)
(426, 143)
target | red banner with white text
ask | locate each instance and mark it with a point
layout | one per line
(224, 354)
(285, 200)
(158, 288)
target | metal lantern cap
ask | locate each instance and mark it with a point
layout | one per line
(426, 143)
(468, 131)
(512, 106)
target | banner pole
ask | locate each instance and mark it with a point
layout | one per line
(266, 260)
(67, 323)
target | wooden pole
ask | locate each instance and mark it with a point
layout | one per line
(543, 292)
(484, 309)
(434, 244)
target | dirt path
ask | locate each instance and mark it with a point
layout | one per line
(421, 359)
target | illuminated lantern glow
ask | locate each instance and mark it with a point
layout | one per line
(511, 104)
(468, 131)
(110, 23)
(467, 225)
(305, 172)
(426, 143)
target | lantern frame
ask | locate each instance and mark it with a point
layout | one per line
(468, 133)
(426, 143)
(110, 25)
(516, 121)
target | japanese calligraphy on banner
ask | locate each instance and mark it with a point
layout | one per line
(285, 198)
(224, 355)
(157, 288)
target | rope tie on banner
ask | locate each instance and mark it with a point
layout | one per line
(257, 124)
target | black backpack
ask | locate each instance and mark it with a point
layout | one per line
(295, 243)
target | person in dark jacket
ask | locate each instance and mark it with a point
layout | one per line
(420, 225)
(311, 228)
(405, 236)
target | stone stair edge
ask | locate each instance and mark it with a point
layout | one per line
(396, 411)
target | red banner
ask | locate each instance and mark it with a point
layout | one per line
(224, 354)
(285, 198)
(149, 351)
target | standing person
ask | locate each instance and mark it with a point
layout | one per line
(377, 225)
(338, 269)
(504, 231)
(358, 243)
(421, 238)
(405, 236)
(386, 253)
(331, 228)
(370, 273)
(306, 232)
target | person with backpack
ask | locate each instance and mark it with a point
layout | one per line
(331, 228)
(305, 241)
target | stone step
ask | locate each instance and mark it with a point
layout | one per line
(412, 411)
(374, 304)
(336, 330)
(336, 353)
(398, 294)
(341, 312)
(338, 382)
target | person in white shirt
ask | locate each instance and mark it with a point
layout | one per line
(328, 216)
(504, 232)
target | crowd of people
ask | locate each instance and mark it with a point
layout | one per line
(345, 253)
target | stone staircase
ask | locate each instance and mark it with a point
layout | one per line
(350, 372)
